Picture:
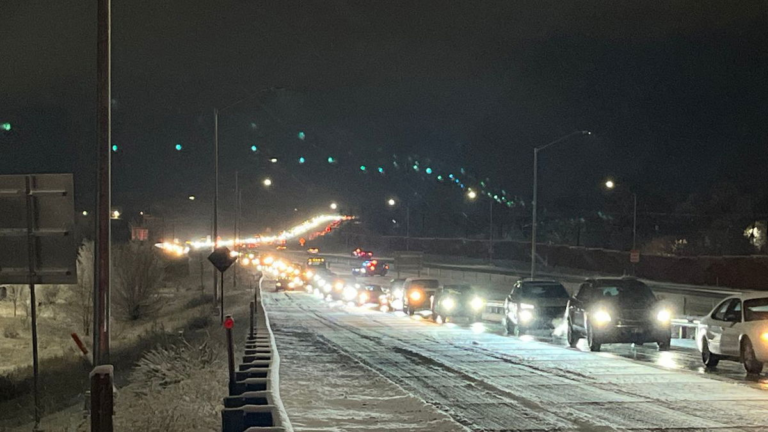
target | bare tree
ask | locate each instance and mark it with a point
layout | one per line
(79, 303)
(137, 276)
(50, 295)
(14, 292)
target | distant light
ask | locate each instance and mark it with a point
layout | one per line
(457, 181)
(273, 160)
(471, 194)
(178, 147)
(301, 135)
(362, 168)
(302, 160)
(416, 167)
(334, 206)
(253, 125)
(482, 183)
(141, 213)
(6, 126)
(610, 184)
(115, 214)
(267, 182)
(440, 178)
(114, 147)
(496, 197)
(381, 170)
(85, 213)
(391, 201)
(191, 197)
(450, 176)
(463, 171)
(254, 148)
(428, 170)
(331, 159)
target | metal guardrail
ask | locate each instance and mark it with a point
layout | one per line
(253, 403)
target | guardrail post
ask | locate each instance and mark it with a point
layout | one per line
(229, 323)
(102, 407)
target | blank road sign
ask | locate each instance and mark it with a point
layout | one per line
(37, 242)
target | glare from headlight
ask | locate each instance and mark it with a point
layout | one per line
(526, 315)
(664, 316)
(415, 296)
(339, 286)
(449, 303)
(477, 303)
(363, 297)
(764, 337)
(349, 293)
(602, 317)
(526, 306)
(398, 294)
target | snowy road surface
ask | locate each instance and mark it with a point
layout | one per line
(348, 368)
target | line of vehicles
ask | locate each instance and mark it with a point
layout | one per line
(601, 310)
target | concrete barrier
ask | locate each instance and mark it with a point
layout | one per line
(254, 403)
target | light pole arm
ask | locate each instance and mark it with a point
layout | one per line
(563, 138)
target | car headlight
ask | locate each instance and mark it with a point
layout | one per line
(764, 337)
(363, 297)
(526, 306)
(602, 317)
(477, 303)
(415, 296)
(279, 284)
(291, 285)
(339, 286)
(310, 273)
(664, 316)
(449, 303)
(349, 293)
(383, 299)
(327, 289)
(398, 293)
(525, 315)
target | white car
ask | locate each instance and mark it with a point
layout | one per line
(736, 329)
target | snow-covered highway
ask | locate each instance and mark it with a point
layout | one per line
(349, 368)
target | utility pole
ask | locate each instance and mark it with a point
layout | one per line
(237, 223)
(215, 195)
(101, 279)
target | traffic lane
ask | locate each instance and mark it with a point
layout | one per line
(486, 381)
(682, 356)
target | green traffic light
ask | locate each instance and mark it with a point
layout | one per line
(6, 126)
(178, 147)
(254, 148)
(114, 147)
(302, 160)
(362, 168)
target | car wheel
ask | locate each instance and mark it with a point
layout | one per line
(592, 340)
(573, 339)
(710, 360)
(749, 359)
(665, 344)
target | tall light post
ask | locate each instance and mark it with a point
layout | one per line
(391, 202)
(472, 195)
(534, 215)
(216, 174)
(610, 184)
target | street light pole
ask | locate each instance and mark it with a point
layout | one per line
(215, 196)
(535, 204)
(490, 232)
(407, 227)
(237, 224)
(634, 221)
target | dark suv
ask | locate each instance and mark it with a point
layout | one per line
(454, 301)
(534, 304)
(617, 310)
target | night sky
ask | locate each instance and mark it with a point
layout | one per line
(676, 93)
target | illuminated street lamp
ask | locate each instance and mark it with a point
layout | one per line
(85, 213)
(191, 197)
(611, 185)
(115, 214)
(334, 206)
(472, 195)
(267, 182)
(391, 202)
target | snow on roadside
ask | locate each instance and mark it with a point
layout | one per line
(324, 390)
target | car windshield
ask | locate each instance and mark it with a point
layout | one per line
(626, 293)
(458, 289)
(550, 290)
(756, 309)
(373, 288)
(425, 284)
